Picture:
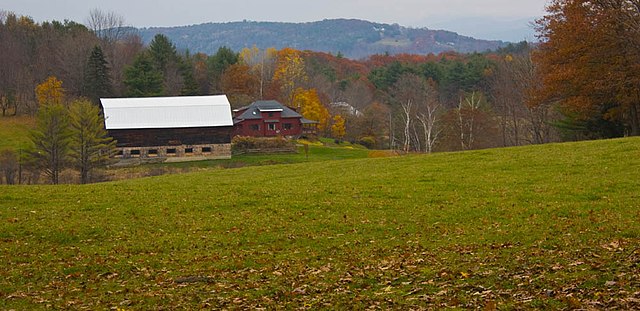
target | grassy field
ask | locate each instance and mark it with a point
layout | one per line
(14, 132)
(541, 227)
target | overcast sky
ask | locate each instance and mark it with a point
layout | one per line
(415, 13)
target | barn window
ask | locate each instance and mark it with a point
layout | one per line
(120, 153)
(206, 149)
(272, 126)
(153, 152)
(255, 127)
(188, 150)
(288, 126)
(271, 114)
(171, 151)
(135, 152)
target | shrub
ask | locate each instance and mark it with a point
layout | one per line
(368, 141)
(245, 143)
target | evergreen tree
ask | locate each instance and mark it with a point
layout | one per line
(142, 78)
(190, 85)
(50, 141)
(218, 63)
(91, 146)
(97, 81)
(163, 52)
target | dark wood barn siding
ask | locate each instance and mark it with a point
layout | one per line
(172, 137)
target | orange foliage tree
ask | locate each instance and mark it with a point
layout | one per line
(589, 59)
(240, 84)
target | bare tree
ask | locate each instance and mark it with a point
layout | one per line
(408, 92)
(108, 26)
(406, 117)
(428, 117)
(513, 90)
(466, 116)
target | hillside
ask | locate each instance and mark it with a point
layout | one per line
(353, 38)
(541, 227)
(14, 132)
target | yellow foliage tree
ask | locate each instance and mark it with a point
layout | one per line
(308, 104)
(289, 74)
(262, 65)
(338, 129)
(50, 92)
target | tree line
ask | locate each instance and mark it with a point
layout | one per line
(579, 82)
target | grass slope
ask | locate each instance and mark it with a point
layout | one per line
(14, 132)
(543, 227)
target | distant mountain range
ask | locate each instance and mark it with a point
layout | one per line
(352, 38)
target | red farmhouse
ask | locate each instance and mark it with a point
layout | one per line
(268, 118)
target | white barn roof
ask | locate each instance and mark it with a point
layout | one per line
(166, 112)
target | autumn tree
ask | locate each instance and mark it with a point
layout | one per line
(470, 125)
(372, 126)
(50, 92)
(308, 104)
(218, 63)
(201, 73)
(589, 61)
(50, 141)
(90, 146)
(338, 128)
(239, 84)
(97, 81)
(290, 74)
(262, 64)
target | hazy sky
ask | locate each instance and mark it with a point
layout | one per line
(416, 13)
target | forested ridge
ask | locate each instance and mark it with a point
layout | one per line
(353, 38)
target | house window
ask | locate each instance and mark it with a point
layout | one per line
(272, 126)
(255, 127)
(271, 114)
(287, 126)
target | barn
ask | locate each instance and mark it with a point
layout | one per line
(170, 127)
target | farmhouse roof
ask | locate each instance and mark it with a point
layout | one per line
(254, 110)
(167, 112)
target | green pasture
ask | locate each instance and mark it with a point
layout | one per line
(541, 227)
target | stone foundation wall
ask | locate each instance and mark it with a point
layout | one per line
(211, 151)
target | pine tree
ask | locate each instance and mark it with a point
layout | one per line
(91, 146)
(50, 141)
(190, 85)
(163, 52)
(97, 81)
(142, 79)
